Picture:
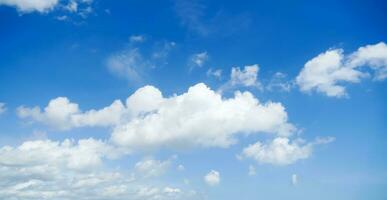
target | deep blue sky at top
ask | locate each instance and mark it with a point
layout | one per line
(42, 58)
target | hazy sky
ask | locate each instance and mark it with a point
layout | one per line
(146, 100)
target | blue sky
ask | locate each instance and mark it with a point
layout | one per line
(193, 99)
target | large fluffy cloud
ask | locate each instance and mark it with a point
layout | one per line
(327, 72)
(199, 117)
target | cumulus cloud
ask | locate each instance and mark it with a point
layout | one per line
(45, 169)
(2, 108)
(85, 154)
(80, 7)
(212, 178)
(373, 56)
(282, 151)
(246, 77)
(62, 114)
(327, 72)
(201, 117)
(27, 6)
(198, 118)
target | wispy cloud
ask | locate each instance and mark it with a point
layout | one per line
(198, 59)
(133, 64)
(2, 108)
(193, 14)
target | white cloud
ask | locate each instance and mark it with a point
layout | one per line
(149, 167)
(132, 64)
(27, 6)
(195, 16)
(2, 108)
(282, 151)
(327, 72)
(217, 73)
(198, 118)
(324, 73)
(294, 179)
(137, 38)
(246, 77)
(45, 169)
(201, 117)
(198, 60)
(252, 171)
(72, 6)
(128, 64)
(85, 154)
(62, 114)
(180, 168)
(212, 178)
(79, 7)
(279, 83)
(373, 56)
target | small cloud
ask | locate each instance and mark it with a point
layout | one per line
(72, 6)
(217, 73)
(137, 38)
(62, 18)
(195, 16)
(252, 171)
(247, 77)
(128, 64)
(212, 178)
(134, 63)
(294, 179)
(2, 108)
(279, 83)
(149, 167)
(282, 151)
(198, 60)
(180, 168)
